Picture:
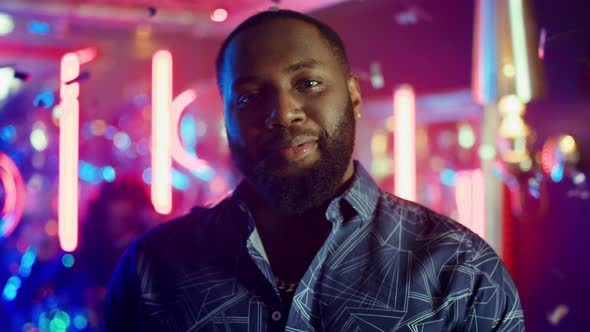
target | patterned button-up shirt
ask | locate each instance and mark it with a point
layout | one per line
(390, 265)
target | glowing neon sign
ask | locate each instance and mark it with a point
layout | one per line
(166, 114)
(68, 153)
(161, 190)
(14, 202)
(179, 153)
(469, 196)
(404, 159)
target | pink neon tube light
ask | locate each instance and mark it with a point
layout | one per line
(405, 142)
(87, 54)
(14, 202)
(179, 153)
(469, 196)
(161, 188)
(68, 153)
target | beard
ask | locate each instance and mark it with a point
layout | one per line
(310, 187)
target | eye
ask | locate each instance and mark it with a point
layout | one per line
(307, 84)
(311, 83)
(246, 99)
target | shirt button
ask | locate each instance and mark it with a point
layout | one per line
(276, 316)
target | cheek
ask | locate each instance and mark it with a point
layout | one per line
(240, 132)
(329, 113)
(232, 127)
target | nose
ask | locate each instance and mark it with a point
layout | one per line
(285, 112)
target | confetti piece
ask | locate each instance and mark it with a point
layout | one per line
(377, 80)
(44, 99)
(579, 178)
(38, 27)
(557, 274)
(152, 11)
(558, 314)
(579, 193)
(542, 39)
(83, 75)
(534, 187)
(407, 17)
(21, 75)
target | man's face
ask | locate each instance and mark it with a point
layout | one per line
(289, 111)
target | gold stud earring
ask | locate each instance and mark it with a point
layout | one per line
(358, 115)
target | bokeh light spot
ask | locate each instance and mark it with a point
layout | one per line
(108, 173)
(466, 136)
(67, 260)
(448, 177)
(80, 322)
(122, 141)
(6, 24)
(219, 15)
(39, 139)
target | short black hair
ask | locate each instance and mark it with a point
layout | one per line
(327, 33)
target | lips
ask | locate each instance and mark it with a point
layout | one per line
(298, 152)
(294, 149)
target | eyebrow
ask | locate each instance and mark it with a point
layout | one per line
(305, 64)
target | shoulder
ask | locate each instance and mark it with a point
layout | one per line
(447, 246)
(190, 229)
(459, 258)
(420, 226)
(437, 240)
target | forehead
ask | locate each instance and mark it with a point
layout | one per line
(273, 45)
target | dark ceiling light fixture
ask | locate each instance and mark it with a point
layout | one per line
(276, 6)
(411, 15)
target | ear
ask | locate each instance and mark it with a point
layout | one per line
(354, 91)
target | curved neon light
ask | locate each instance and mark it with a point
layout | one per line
(14, 203)
(178, 151)
(69, 122)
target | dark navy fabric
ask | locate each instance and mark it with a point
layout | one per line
(392, 265)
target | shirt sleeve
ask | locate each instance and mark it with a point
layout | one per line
(494, 304)
(122, 301)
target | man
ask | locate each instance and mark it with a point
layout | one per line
(307, 242)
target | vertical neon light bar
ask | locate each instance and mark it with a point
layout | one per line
(404, 106)
(87, 54)
(519, 48)
(484, 75)
(469, 196)
(68, 153)
(161, 189)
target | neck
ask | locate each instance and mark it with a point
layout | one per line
(272, 219)
(269, 217)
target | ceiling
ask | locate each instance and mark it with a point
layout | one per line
(425, 42)
(171, 14)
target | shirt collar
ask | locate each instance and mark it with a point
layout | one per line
(364, 193)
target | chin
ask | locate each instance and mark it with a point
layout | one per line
(294, 168)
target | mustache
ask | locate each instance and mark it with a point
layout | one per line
(284, 136)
